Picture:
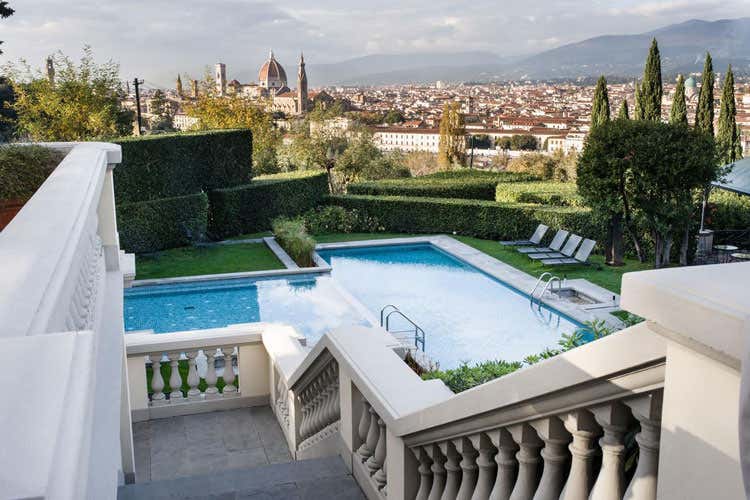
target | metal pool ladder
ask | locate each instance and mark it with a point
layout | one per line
(548, 285)
(385, 316)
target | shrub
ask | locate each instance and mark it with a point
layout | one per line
(482, 219)
(251, 208)
(24, 168)
(335, 219)
(293, 238)
(153, 225)
(541, 193)
(465, 377)
(168, 165)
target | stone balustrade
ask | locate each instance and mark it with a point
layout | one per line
(371, 455)
(319, 404)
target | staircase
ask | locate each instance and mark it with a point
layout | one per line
(304, 479)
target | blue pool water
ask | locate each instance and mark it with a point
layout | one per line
(314, 305)
(466, 314)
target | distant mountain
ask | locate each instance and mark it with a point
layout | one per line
(683, 47)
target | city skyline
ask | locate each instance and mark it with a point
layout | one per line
(157, 44)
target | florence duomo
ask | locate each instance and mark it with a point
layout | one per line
(272, 86)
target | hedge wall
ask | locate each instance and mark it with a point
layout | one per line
(250, 208)
(153, 225)
(482, 219)
(162, 166)
(563, 194)
(465, 184)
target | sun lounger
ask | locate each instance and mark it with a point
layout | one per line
(554, 246)
(535, 239)
(567, 251)
(581, 256)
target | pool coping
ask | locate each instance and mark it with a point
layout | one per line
(511, 276)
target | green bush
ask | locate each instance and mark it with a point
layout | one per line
(149, 226)
(466, 184)
(563, 194)
(335, 219)
(293, 238)
(482, 219)
(727, 210)
(24, 168)
(168, 165)
(465, 377)
(251, 208)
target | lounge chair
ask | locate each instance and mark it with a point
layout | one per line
(554, 246)
(581, 256)
(535, 239)
(567, 251)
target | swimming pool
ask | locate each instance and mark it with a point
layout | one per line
(312, 304)
(466, 314)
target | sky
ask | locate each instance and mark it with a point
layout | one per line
(158, 39)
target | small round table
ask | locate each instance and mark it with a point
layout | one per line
(725, 252)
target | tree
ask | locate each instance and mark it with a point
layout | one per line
(523, 142)
(362, 160)
(8, 115)
(452, 147)
(727, 137)
(678, 114)
(704, 114)
(600, 107)
(179, 86)
(234, 111)
(624, 113)
(161, 111)
(394, 116)
(651, 87)
(638, 112)
(5, 12)
(82, 104)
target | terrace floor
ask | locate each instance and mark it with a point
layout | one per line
(207, 443)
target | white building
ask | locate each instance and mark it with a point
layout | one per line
(181, 121)
(407, 139)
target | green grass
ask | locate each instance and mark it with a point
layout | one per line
(597, 272)
(252, 236)
(193, 261)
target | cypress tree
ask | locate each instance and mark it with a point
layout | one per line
(179, 86)
(600, 106)
(651, 87)
(704, 115)
(624, 113)
(638, 102)
(678, 115)
(727, 139)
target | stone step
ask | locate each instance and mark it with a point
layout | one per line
(320, 478)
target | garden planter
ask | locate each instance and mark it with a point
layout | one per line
(8, 210)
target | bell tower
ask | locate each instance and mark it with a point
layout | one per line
(301, 86)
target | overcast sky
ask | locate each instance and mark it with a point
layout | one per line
(156, 39)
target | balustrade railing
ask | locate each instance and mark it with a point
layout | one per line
(371, 455)
(319, 405)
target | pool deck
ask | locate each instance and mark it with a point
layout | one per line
(606, 301)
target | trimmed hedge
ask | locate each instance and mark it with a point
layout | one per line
(564, 194)
(252, 207)
(168, 165)
(24, 168)
(149, 226)
(464, 184)
(482, 219)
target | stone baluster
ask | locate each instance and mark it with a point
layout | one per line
(452, 470)
(381, 476)
(438, 472)
(375, 462)
(581, 477)
(157, 381)
(425, 474)
(211, 391)
(507, 465)
(229, 388)
(368, 449)
(486, 466)
(175, 380)
(193, 379)
(610, 483)
(555, 456)
(469, 469)
(647, 410)
(528, 461)
(363, 453)
(313, 398)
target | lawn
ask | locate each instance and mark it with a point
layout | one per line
(192, 261)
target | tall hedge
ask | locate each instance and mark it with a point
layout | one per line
(541, 193)
(163, 166)
(250, 208)
(153, 225)
(482, 219)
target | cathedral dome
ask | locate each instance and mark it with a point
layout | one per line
(690, 82)
(272, 74)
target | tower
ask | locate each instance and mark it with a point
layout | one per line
(194, 89)
(221, 78)
(51, 71)
(301, 86)
(179, 86)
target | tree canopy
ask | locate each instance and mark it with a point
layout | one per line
(651, 86)
(452, 147)
(5, 12)
(728, 145)
(678, 113)
(600, 106)
(704, 113)
(624, 112)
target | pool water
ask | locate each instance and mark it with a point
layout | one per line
(312, 304)
(466, 314)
